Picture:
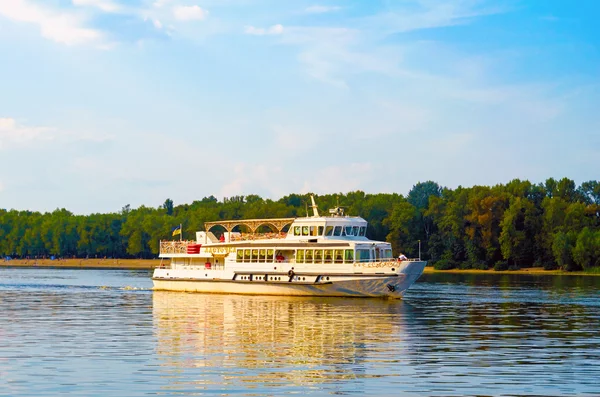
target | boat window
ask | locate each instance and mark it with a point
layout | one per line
(320, 232)
(318, 256)
(269, 255)
(339, 256)
(363, 255)
(300, 256)
(363, 231)
(309, 256)
(337, 231)
(349, 231)
(305, 230)
(329, 231)
(239, 257)
(296, 230)
(254, 256)
(328, 254)
(388, 254)
(313, 230)
(355, 230)
(376, 253)
(262, 254)
(246, 255)
(349, 256)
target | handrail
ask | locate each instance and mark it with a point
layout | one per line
(175, 246)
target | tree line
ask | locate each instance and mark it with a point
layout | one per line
(554, 224)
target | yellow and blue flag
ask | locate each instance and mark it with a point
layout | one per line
(176, 230)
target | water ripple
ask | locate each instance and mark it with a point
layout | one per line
(95, 332)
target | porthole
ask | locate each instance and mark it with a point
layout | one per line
(393, 269)
(303, 278)
(327, 278)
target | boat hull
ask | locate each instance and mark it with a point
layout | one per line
(385, 286)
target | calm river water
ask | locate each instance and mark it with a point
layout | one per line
(104, 332)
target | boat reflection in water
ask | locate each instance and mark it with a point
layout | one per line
(221, 342)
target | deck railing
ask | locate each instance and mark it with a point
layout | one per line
(257, 236)
(175, 246)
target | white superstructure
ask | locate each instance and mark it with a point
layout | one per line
(318, 256)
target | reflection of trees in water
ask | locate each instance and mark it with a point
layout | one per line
(275, 340)
(512, 323)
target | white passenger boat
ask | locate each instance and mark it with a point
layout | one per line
(318, 256)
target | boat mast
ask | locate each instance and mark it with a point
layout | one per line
(314, 207)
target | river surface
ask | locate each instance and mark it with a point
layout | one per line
(104, 332)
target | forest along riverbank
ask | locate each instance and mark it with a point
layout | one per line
(152, 263)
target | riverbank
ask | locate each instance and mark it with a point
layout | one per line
(84, 263)
(152, 263)
(539, 271)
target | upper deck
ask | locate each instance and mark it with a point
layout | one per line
(335, 229)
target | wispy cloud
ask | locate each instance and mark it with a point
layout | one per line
(60, 26)
(12, 133)
(104, 5)
(273, 30)
(410, 16)
(320, 9)
(332, 54)
(189, 13)
(18, 135)
(336, 178)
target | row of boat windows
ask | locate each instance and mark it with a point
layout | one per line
(312, 256)
(340, 256)
(255, 255)
(329, 231)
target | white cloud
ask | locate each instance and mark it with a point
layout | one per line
(104, 5)
(14, 134)
(61, 27)
(345, 178)
(246, 178)
(408, 17)
(189, 13)
(157, 24)
(318, 9)
(161, 3)
(273, 30)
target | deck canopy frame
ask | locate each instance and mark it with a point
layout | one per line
(253, 224)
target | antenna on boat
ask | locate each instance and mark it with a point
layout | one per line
(314, 207)
(337, 211)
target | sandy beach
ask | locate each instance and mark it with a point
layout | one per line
(84, 263)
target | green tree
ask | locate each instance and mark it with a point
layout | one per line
(586, 252)
(168, 206)
(562, 247)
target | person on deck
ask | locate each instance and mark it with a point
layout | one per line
(402, 257)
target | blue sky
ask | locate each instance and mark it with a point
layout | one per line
(105, 103)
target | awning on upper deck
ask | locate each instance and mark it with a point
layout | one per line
(253, 224)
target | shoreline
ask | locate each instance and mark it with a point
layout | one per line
(149, 264)
(536, 271)
(127, 264)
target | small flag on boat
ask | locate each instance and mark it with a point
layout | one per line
(176, 230)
